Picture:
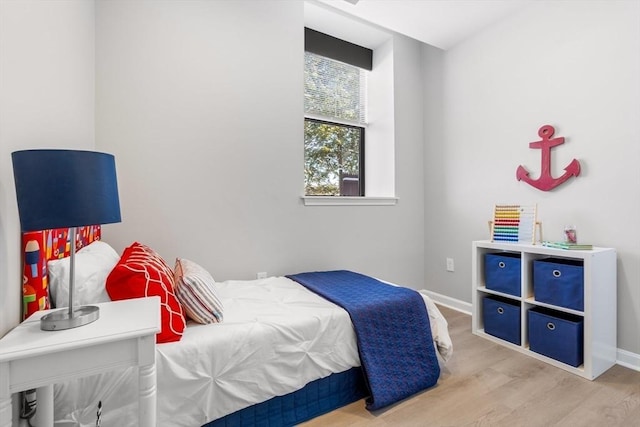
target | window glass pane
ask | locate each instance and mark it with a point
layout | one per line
(332, 159)
(334, 90)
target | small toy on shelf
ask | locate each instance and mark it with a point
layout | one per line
(570, 235)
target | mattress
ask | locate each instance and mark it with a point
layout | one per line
(276, 337)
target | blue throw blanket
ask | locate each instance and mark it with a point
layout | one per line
(393, 331)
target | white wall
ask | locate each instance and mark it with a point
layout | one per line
(46, 101)
(574, 65)
(201, 102)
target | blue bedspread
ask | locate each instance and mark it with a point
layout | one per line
(392, 328)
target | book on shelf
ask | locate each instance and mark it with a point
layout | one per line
(568, 246)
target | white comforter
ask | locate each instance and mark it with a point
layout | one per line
(276, 337)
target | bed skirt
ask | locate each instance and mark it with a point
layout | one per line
(316, 398)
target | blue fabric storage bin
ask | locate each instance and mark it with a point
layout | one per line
(556, 335)
(502, 272)
(502, 319)
(559, 282)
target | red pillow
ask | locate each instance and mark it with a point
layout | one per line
(141, 272)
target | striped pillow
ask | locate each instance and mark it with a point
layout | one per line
(196, 291)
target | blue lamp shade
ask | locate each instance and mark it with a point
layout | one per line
(65, 188)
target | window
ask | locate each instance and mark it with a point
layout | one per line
(335, 96)
(333, 159)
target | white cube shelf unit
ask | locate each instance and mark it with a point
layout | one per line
(600, 304)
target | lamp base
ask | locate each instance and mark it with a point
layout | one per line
(60, 320)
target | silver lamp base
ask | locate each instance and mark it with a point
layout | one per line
(61, 319)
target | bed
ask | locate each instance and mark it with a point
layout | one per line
(274, 353)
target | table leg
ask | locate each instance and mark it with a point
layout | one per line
(44, 406)
(147, 395)
(5, 411)
(5, 397)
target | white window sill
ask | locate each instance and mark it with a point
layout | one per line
(348, 201)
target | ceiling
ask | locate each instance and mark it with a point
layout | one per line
(440, 23)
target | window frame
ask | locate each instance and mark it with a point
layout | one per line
(325, 45)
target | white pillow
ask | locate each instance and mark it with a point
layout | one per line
(93, 263)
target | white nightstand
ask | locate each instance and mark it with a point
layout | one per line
(123, 336)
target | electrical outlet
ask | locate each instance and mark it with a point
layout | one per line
(261, 275)
(450, 264)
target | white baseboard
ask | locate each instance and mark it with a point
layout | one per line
(452, 303)
(628, 360)
(623, 357)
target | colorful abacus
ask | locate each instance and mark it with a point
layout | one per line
(514, 223)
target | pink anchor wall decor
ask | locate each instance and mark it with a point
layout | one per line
(547, 182)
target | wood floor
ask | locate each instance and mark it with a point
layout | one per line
(485, 384)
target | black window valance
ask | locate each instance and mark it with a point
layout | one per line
(338, 49)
